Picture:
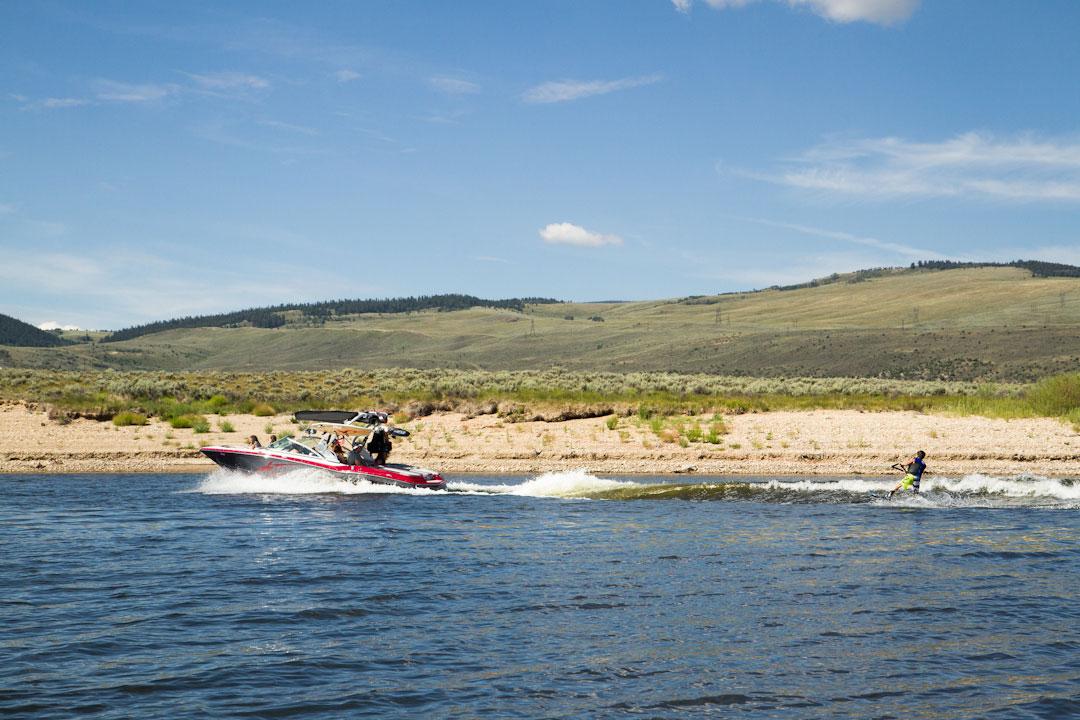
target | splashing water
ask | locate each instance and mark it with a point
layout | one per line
(295, 482)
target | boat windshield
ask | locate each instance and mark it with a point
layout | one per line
(301, 446)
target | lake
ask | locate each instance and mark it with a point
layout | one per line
(566, 595)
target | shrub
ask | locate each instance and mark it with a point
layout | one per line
(126, 418)
(200, 425)
(263, 410)
(694, 434)
(189, 421)
(612, 422)
(226, 426)
(1056, 396)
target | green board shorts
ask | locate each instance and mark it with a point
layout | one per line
(907, 482)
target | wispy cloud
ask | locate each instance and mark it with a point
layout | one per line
(239, 137)
(6, 209)
(493, 259)
(880, 12)
(570, 234)
(278, 125)
(229, 81)
(52, 103)
(113, 91)
(47, 229)
(972, 165)
(346, 75)
(85, 291)
(908, 251)
(454, 86)
(557, 91)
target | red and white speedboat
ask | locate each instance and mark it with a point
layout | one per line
(314, 449)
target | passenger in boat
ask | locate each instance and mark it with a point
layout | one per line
(380, 446)
(273, 439)
(253, 442)
(358, 455)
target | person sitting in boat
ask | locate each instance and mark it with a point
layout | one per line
(253, 442)
(380, 446)
(339, 451)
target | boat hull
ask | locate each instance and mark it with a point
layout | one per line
(267, 462)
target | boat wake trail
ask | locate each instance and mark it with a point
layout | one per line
(941, 492)
(566, 484)
(974, 491)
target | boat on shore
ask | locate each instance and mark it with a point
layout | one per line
(350, 445)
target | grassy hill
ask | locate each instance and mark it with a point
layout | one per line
(985, 323)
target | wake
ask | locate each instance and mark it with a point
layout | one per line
(971, 491)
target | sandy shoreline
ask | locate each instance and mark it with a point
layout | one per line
(819, 442)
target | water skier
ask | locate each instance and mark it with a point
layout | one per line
(913, 473)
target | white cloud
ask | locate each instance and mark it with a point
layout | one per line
(881, 12)
(346, 75)
(564, 90)
(972, 165)
(454, 86)
(570, 234)
(113, 91)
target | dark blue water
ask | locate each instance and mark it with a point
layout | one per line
(163, 596)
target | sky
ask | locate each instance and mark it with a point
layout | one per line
(163, 159)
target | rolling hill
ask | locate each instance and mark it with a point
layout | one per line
(965, 323)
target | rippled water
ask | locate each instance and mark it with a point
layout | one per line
(161, 596)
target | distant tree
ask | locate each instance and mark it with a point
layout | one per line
(21, 334)
(272, 317)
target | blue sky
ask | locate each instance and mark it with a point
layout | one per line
(163, 159)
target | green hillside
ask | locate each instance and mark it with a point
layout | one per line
(986, 323)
